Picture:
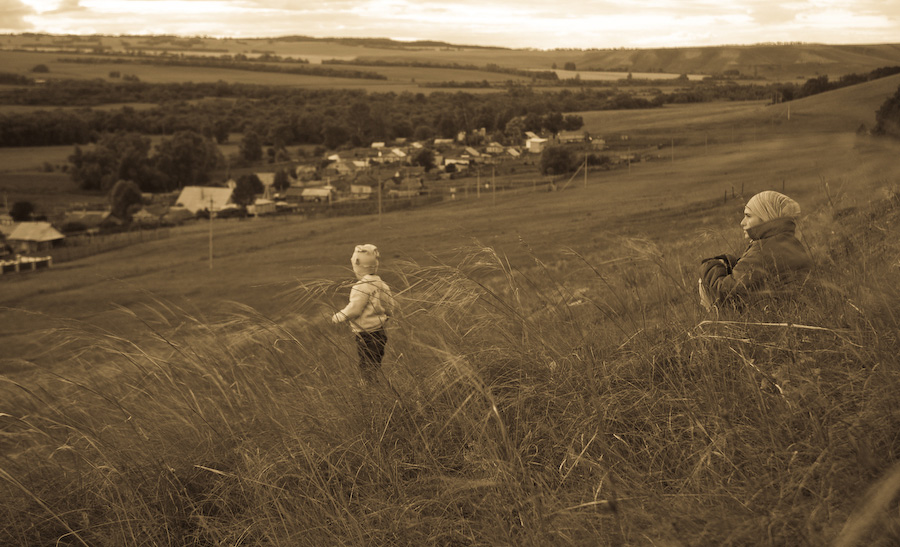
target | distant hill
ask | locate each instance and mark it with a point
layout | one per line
(773, 62)
(777, 62)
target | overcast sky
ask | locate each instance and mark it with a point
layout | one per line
(543, 24)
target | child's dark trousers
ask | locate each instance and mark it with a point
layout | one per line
(371, 352)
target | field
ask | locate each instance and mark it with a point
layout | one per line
(550, 379)
(772, 62)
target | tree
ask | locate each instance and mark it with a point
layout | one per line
(425, 158)
(423, 133)
(334, 135)
(115, 156)
(123, 197)
(556, 160)
(569, 66)
(887, 118)
(40, 69)
(250, 148)
(282, 182)
(553, 122)
(515, 129)
(246, 189)
(187, 158)
(22, 211)
(573, 122)
(220, 131)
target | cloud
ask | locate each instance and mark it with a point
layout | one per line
(68, 6)
(522, 23)
(12, 16)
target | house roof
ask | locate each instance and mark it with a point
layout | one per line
(35, 231)
(90, 219)
(267, 179)
(6, 229)
(317, 192)
(198, 198)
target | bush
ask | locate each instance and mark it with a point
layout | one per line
(558, 160)
(40, 69)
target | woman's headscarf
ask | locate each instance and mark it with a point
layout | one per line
(770, 205)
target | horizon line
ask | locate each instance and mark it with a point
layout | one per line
(441, 42)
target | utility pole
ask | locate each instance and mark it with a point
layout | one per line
(478, 184)
(585, 170)
(493, 187)
(380, 184)
(210, 232)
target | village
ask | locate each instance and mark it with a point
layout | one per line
(381, 177)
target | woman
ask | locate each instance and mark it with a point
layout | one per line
(774, 259)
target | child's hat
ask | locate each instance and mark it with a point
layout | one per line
(365, 258)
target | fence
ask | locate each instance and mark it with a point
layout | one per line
(87, 245)
(365, 206)
(25, 264)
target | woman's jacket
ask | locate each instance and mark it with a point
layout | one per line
(774, 260)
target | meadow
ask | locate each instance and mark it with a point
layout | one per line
(550, 378)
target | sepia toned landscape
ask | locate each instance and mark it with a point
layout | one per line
(170, 375)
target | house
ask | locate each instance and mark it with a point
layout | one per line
(443, 142)
(531, 135)
(513, 152)
(395, 193)
(200, 198)
(87, 220)
(565, 137)
(377, 145)
(398, 153)
(472, 152)
(345, 167)
(314, 193)
(598, 144)
(29, 237)
(145, 216)
(536, 145)
(460, 162)
(494, 148)
(360, 191)
(262, 207)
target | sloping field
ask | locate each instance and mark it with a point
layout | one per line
(399, 79)
(774, 62)
(782, 62)
(843, 108)
(835, 111)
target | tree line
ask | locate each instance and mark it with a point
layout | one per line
(284, 117)
(238, 62)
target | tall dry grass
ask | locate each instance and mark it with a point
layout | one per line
(588, 401)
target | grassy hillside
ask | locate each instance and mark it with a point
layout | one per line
(790, 62)
(550, 379)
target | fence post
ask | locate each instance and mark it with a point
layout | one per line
(726, 197)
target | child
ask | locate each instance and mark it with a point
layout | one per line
(371, 303)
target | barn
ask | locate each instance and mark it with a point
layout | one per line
(29, 237)
(200, 198)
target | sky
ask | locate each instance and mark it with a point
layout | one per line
(541, 24)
